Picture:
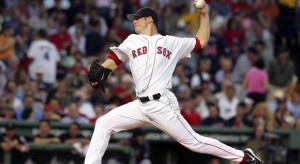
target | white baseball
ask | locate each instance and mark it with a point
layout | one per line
(199, 4)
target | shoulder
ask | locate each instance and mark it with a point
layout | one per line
(132, 36)
(171, 37)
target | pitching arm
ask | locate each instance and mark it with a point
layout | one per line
(204, 29)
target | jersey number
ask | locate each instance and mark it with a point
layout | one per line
(46, 55)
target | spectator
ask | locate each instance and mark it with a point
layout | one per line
(62, 94)
(73, 115)
(76, 8)
(222, 6)
(116, 34)
(81, 99)
(281, 71)
(168, 20)
(92, 14)
(224, 73)
(256, 82)
(77, 35)
(29, 112)
(56, 106)
(50, 115)
(217, 20)
(73, 56)
(281, 114)
(264, 51)
(125, 90)
(77, 76)
(286, 29)
(103, 8)
(57, 6)
(7, 113)
(203, 75)
(117, 75)
(258, 32)
(185, 29)
(7, 42)
(53, 21)
(179, 77)
(200, 104)
(61, 39)
(207, 94)
(243, 65)
(40, 80)
(278, 97)
(258, 143)
(23, 39)
(38, 89)
(214, 119)
(234, 33)
(99, 111)
(13, 64)
(293, 104)
(187, 16)
(227, 104)
(80, 143)
(216, 43)
(241, 119)
(21, 78)
(15, 144)
(10, 96)
(189, 113)
(263, 115)
(94, 40)
(39, 21)
(141, 146)
(44, 57)
(44, 137)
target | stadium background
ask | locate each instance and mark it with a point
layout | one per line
(209, 86)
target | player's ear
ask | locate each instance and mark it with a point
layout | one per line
(149, 19)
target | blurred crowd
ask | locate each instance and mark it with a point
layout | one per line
(247, 75)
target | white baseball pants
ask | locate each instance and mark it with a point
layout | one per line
(165, 115)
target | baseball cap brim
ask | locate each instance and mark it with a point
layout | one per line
(132, 17)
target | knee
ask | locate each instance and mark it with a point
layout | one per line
(102, 123)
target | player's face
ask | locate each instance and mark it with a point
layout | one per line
(140, 24)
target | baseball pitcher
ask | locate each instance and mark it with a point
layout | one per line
(153, 58)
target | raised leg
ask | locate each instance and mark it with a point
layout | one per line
(171, 122)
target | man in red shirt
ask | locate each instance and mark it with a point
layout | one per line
(62, 38)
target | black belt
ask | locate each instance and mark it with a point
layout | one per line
(146, 98)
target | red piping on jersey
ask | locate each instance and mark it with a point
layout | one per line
(179, 118)
(147, 59)
(114, 57)
(197, 45)
(153, 65)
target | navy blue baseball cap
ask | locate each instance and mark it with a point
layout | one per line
(144, 12)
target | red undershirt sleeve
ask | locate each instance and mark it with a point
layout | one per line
(115, 58)
(197, 45)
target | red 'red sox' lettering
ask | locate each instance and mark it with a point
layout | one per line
(140, 51)
(165, 52)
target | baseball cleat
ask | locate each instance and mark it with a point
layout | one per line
(251, 158)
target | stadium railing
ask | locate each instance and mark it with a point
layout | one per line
(232, 136)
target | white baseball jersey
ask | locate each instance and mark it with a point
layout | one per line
(45, 57)
(153, 59)
(152, 62)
